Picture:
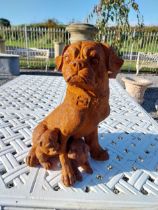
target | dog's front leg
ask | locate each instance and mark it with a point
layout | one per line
(95, 149)
(68, 175)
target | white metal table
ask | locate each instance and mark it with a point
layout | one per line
(129, 179)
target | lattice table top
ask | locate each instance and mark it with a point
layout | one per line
(128, 179)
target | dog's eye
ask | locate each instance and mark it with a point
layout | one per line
(94, 60)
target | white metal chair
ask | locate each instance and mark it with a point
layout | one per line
(146, 60)
(32, 53)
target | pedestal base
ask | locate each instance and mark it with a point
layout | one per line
(9, 64)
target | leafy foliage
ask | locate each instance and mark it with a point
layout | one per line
(149, 28)
(50, 23)
(116, 13)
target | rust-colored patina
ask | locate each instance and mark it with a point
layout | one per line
(86, 67)
(46, 149)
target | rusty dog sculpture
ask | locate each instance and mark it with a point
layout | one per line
(86, 67)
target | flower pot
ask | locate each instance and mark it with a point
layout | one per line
(58, 48)
(81, 31)
(156, 105)
(136, 87)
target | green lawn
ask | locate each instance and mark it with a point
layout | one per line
(130, 66)
(36, 64)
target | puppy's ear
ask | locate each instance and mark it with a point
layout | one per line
(54, 134)
(59, 59)
(41, 143)
(114, 62)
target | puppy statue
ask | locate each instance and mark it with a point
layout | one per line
(78, 152)
(45, 146)
(46, 151)
(86, 67)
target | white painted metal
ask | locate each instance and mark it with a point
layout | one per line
(128, 180)
(149, 60)
(44, 38)
(32, 54)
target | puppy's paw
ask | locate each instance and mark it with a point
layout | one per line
(78, 175)
(87, 168)
(46, 165)
(31, 159)
(77, 172)
(100, 155)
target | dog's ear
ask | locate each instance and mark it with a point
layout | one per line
(58, 62)
(59, 59)
(114, 62)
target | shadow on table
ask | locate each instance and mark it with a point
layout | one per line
(150, 97)
(128, 153)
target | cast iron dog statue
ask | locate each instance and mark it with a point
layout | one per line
(86, 67)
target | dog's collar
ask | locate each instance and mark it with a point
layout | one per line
(79, 97)
(83, 98)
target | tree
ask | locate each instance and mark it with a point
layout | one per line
(50, 23)
(4, 22)
(116, 13)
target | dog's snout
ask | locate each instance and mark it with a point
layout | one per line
(78, 64)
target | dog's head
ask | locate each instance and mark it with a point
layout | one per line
(49, 142)
(86, 64)
(78, 151)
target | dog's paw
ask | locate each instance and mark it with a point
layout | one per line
(88, 169)
(68, 177)
(100, 155)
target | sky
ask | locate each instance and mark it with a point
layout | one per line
(33, 11)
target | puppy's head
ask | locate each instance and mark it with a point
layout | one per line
(86, 63)
(49, 142)
(78, 151)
